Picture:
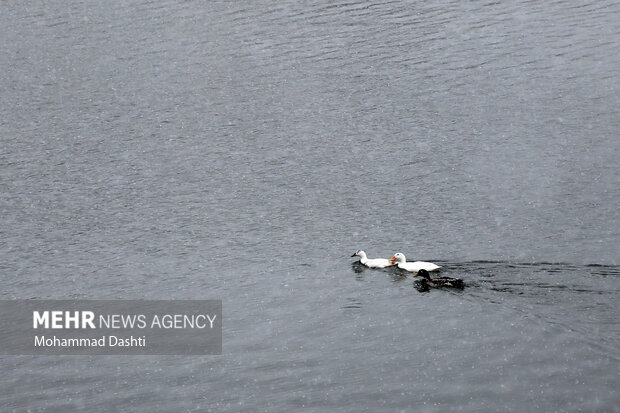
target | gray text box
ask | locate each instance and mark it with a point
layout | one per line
(100, 327)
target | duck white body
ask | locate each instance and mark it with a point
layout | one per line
(400, 260)
(372, 262)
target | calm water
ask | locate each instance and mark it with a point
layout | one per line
(222, 150)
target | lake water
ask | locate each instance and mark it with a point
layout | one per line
(243, 152)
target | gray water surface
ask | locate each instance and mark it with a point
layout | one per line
(243, 151)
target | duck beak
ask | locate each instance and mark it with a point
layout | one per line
(353, 255)
(416, 274)
(392, 260)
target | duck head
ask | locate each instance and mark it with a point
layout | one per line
(358, 253)
(398, 257)
(424, 274)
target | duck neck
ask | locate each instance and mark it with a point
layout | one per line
(363, 257)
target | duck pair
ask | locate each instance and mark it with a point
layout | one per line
(421, 269)
(398, 259)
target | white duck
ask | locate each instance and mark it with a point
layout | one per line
(372, 262)
(400, 260)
